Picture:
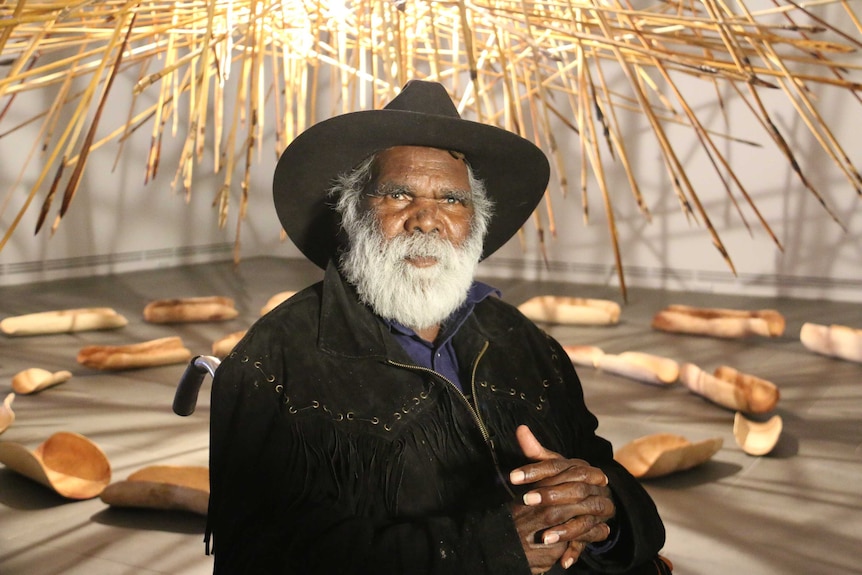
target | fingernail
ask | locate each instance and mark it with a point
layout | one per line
(550, 538)
(517, 476)
(568, 562)
(532, 498)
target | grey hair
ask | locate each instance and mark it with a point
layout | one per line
(348, 189)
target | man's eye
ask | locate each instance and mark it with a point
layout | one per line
(396, 195)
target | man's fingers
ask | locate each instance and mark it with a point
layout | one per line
(583, 529)
(550, 464)
(560, 471)
(530, 522)
(572, 553)
(531, 447)
(535, 451)
(595, 535)
(590, 499)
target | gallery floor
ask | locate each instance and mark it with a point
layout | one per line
(797, 510)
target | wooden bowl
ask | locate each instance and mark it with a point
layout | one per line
(166, 487)
(275, 301)
(68, 463)
(190, 309)
(665, 453)
(719, 322)
(731, 388)
(756, 437)
(7, 415)
(223, 346)
(63, 321)
(583, 354)
(36, 379)
(571, 310)
(839, 341)
(640, 366)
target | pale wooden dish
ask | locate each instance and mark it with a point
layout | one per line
(166, 487)
(36, 379)
(571, 310)
(162, 351)
(63, 321)
(640, 366)
(275, 300)
(661, 454)
(731, 388)
(223, 346)
(754, 437)
(833, 340)
(719, 322)
(68, 463)
(583, 354)
(7, 415)
(189, 310)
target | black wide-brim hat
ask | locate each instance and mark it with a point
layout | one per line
(514, 170)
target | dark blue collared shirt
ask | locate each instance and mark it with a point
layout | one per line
(440, 355)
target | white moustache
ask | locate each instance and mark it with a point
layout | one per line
(420, 245)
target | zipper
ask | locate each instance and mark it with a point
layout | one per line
(472, 408)
(488, 439)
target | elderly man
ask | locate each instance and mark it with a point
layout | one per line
(398, 417)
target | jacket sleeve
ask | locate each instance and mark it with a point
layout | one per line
(274, 509)
(642, 533)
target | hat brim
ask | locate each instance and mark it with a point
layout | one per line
(514, 170)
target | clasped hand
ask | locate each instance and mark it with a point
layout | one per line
(567, 507)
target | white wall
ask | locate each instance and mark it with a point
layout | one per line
(117, 224)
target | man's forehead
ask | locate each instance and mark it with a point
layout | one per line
(416, 162)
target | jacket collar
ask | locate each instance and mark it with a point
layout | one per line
(347, 327)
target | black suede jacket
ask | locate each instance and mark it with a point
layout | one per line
(331, 452)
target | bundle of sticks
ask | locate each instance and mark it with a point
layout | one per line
(182, 56)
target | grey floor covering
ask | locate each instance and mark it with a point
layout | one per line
(796, 510)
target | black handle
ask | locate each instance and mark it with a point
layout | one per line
(186, 397)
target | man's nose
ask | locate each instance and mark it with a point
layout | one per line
(424, 217)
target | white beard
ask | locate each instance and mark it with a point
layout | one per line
(396, 289)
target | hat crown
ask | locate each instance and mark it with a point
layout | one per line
(424, 98)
